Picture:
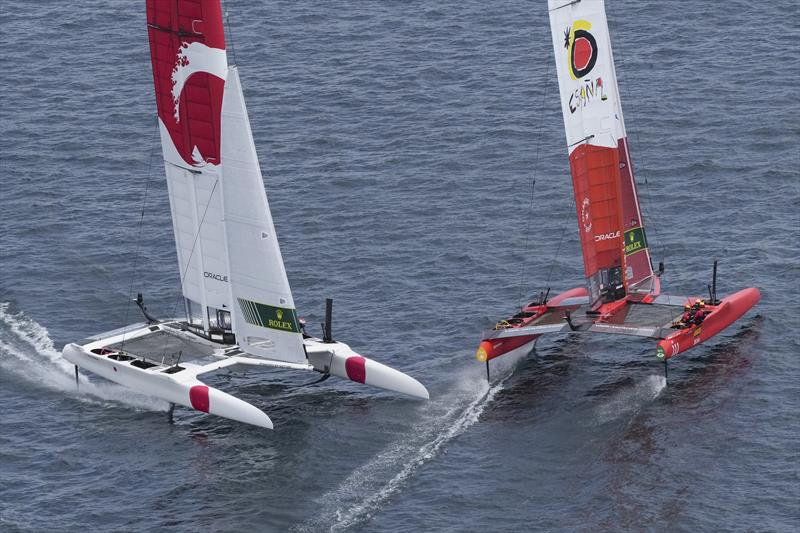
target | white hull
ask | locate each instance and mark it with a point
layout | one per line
(179, 383)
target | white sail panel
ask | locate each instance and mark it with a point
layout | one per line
(587, 84)
(195, 196)
(264, 317)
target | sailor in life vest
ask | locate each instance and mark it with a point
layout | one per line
(686, 318)
(699, 312)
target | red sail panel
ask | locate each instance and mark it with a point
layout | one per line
(637, 255)
(596, 183)
(187, 46)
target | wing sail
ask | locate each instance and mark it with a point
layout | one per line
(232, 273)
(609, 219)
(264, 316)
(187, 49)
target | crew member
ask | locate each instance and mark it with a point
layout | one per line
(700, 313)
(686, 318)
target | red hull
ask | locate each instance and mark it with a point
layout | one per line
(489, 349)
(725, 314)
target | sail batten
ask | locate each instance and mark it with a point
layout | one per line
(613, 241)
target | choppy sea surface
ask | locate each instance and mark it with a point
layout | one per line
(399, 143)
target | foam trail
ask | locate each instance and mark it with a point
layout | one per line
(629, 401)
(362, 493)
(27, 351)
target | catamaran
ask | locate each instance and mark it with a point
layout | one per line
(238, 303)
(622, 294)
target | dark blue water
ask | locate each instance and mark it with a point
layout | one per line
(399, 141)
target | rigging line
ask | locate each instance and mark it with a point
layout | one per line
(230, 33)
(141, 227)
(648, 208)
(523, 272)
(194, 244)
(558, 250)
(94, 266)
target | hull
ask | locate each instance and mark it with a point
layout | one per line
(141, 357)
(338, 359)
(492, 348)
(725, 314)
(181, 388)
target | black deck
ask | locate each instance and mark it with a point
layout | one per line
(164, 347)
(646, 315)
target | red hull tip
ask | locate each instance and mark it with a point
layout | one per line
(198, 396)
(726, 313)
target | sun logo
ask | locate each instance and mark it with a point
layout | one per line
(581, 49)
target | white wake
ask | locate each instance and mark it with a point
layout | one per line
(365, 490)
(631, 400)
(27, 352)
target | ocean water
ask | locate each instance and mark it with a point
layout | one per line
(399, 142)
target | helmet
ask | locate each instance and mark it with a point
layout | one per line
(686, 307)
(701, 303)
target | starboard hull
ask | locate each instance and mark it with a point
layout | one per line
(728, 311)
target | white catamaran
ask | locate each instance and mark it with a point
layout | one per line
(239, 307)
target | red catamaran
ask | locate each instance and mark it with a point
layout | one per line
(622, 293)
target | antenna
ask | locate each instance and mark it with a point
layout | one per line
(327, 336)
(713, 288)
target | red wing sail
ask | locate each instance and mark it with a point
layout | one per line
(637, 256)
(187, 48)
(615, 254)
(596, 183)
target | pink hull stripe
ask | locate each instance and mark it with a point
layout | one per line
(198, 395)
(356, 368)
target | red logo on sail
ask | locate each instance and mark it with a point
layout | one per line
(187, 49)
(582, 55)
(581, 49)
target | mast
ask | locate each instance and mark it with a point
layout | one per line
(615, 255)
(232, 274)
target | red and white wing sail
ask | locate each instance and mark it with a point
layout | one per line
(187, 49)
(609, 220)
(232, 273)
